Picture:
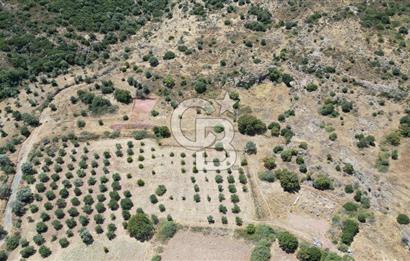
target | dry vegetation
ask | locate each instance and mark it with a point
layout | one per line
(323, 160)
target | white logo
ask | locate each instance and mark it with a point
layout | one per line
(204, 139)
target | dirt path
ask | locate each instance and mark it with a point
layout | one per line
(22, 157)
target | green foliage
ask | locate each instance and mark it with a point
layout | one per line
(269, 163)
(405, 126)
(33, 45)
(167, 230)
(350, 207)
(98, 105)
(161, 132)
(309, 254)
(140, 227)
(322, 182)
(403, 219)
(86, 236)
(261, 252)
(169, 55)
(349, 230)
(161, 190)
(123, 96)
(12, 242)
(139, 135)
(288, 180)
(28, 251)
(365, 141)
(44, 251)
(200, 85)
(250, 148)
(288, 242)
(250, 125)
(379, 15)
(267, 176)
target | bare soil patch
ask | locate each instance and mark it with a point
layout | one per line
(188, 246)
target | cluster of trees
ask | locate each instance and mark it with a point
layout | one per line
(96, 104)
(379, 15)
(33, 45)
(275, 75)
(329, 107)
(162, 132)
(364, 141)
(263, 19)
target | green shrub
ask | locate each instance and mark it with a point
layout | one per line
(86, 236)
(288, 242)
(169, 55)
(403, 219)
(250, 125)
(350, 207)
(44, 251)
(140, 227)
(200, 85)
(123, 96)
(322, 182)
(28, 251)
(309, 254)
(267, 176)
(349, 230)
(167, 230)
(161, 132)
(288, 180)
(261, 252)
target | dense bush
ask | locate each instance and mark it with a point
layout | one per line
(140, 227)
(322, 182)
(261, 251)
(86, 236)
(161, 132)
(123, 96)
(288, 242)
(263, 19)
(403, 219)
(167, 230)
(288, 180)
(349, 230)
(310, 254)
(250, 125)
(267, 176)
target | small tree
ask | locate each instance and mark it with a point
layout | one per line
(250, 148)
(140, 227)
(44, 251)
(288, 242)
(86, 236)
(123, 96)
(288, 180)
(250, 125)
(167, 230)
(403, 219)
